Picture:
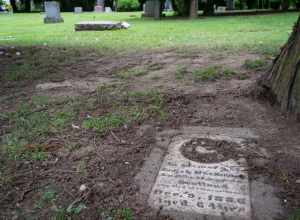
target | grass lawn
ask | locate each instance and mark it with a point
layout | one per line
(265, 33)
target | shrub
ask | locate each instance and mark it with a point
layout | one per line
(182, 7)
(128, 5)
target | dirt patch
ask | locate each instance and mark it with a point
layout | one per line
(210, 151)
(91, 175)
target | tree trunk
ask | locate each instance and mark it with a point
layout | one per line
(209, 8)
(13, 5)
(285, 4)
(283, 80)
(194, 9)
(27, 7)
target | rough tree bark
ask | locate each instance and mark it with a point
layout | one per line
(285, 4)
(283, 80)
(194, 9)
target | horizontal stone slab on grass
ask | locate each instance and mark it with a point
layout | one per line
(100, 25)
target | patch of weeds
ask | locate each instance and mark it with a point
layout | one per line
(116, 214)
(131, 73)
(243, 77)
(76, 208)
(104, 94)
(155, 66)
(28, 126)
(63, 118)
(126, 107)
(255, 64)
(20, 72)
(104, 123)
(180, 72)
(156, 77)
(150, 104)
(207, 74)
(60, 214)
(82, 168)
(228, 73)
(48, 196)
(40, 100)
(295, 216)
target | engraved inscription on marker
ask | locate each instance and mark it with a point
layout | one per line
(218, 189)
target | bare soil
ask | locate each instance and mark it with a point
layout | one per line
(107, 164)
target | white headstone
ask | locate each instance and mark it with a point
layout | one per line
(52, 11)
(77, 9)
(108, 9)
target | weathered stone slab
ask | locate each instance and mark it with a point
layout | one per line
(100, 25)
(185, 187)
(152, 8)
(52, 11)
(206, 189)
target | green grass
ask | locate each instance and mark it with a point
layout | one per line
(31, 124)
(125, 107)
(259, 33)
(114, 214)
(227, 73)
(104, 123)
(255, 64)
(209, 73)
(180, 72)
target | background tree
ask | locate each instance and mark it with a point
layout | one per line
(285, 4)
(194, 8)
(13, 5)
(209, 8)
(283, 81)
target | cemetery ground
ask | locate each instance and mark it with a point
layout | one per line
(79, 117)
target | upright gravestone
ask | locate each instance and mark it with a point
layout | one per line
(99, 7)
(152, 9)
(52, 11)
(77, 9)
(230, 4)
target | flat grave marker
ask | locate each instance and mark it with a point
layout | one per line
(217, 189)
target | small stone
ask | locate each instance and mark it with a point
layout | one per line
(82, 188)
(75, 126)
(298, 181)
(18, 53)
(127, 163)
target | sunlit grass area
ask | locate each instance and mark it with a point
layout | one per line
(260, 33)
